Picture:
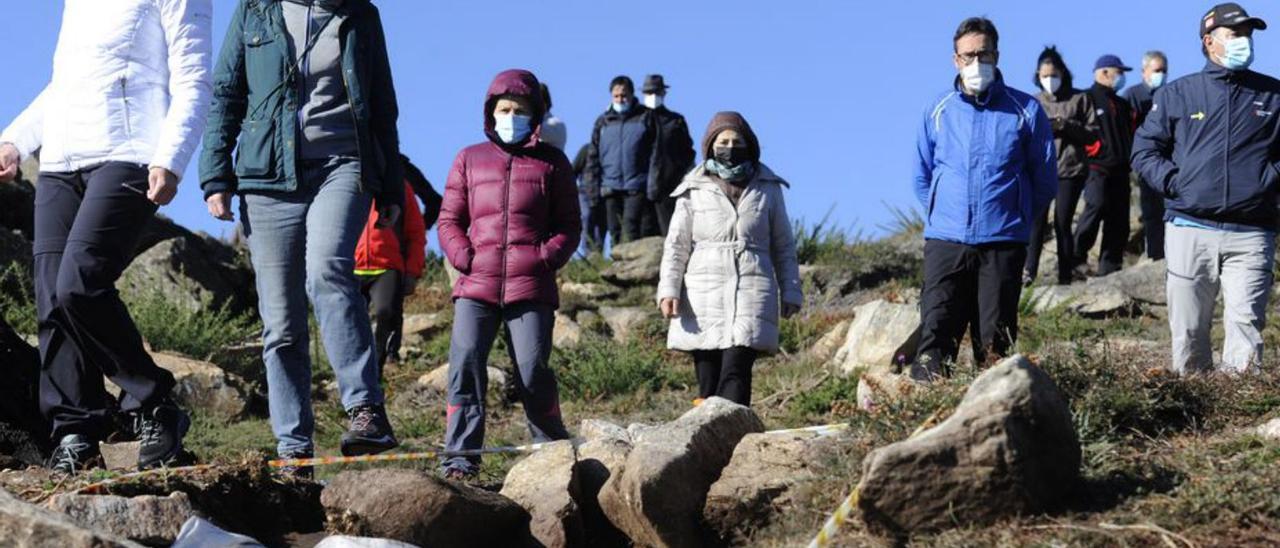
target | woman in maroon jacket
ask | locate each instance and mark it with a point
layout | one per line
(509, 221)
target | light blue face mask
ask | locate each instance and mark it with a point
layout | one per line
(1156, 80)
(621, 108)
(1238, 52)
(512, 128)
(1120, 81)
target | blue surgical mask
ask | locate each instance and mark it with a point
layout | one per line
(1238, 54)
(1156, 80)
(512, 128)
(621, 108)
(1119, 83)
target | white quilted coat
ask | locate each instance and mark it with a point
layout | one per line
(729, 267)
(131, 83)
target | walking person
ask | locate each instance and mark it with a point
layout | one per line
(595, 226)
(981, 190)
(676, 155)
(1209, 146)
(1075, 126)
(305, 89)
(1155, 69)
(114, 128)
(510, 220)
(1107, 192)
(729, 269)
(389, 262)
(624, 159)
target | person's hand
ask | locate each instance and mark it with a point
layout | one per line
(410, 285)
(1058, 124)
(10, 159)
(162, 186)
(219, 205)
(670, 307)
(789, 310)
(388, 215)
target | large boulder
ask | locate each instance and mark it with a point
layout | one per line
(657, 498)
(151, 520)
(877, 338)
(418, 329)
(204, 386)
(760, 479)
(546, 484)
(1096, 298)
(418, 508)
(601, 454)
(825, 348)
(588, 292)
(1143, 282)
(193, 270)
(24, 524)
(1009, 449)
(635, 263)
(623, 321)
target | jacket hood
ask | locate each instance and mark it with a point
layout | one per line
(730, 120)
(519, 83)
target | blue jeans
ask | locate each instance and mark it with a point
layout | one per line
(302, 244)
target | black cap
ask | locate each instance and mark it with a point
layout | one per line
(653, 84)
(1229, 14)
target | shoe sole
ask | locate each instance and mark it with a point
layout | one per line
(184, 425)
(364, 446)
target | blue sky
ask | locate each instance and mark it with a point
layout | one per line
(833, 87)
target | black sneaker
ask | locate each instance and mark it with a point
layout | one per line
(75, 453)
(161, 429)
(306, 473)
(369, 433)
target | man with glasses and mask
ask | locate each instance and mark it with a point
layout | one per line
(986, 168)
(1210, 147)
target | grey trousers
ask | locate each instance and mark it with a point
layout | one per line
(475, 326)
(1200, 262)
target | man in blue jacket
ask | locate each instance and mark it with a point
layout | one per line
(986, 169)
(1211, 146)
(624, 160)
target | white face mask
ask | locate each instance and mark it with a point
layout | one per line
(652, 101)
(977, 76)
(1051, 84)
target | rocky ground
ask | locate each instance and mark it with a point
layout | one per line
(1083, 441)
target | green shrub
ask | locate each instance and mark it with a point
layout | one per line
(17, 299)
(196, 333)
(601, 368)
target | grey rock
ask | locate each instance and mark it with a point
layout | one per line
(1009, 449)
(878, 390)
(546, 484)
(204, 386)
(420, 328)
(876, 337)
(623, 321)
(635, 263)
(24, 524)
(192, 270)
(120, 456)
(150, 520)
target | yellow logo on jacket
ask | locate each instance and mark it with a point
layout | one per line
(1198, 116)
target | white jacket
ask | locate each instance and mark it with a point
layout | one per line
(730, 267)
(131, 83)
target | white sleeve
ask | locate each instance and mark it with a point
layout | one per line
(27, 130)
(188, 29)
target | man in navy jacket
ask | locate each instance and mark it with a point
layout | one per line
(986, 169)
(1210, 147)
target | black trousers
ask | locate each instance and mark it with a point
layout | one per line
(630, 216)
(1106, 203)
(968, 286)
(725, 373)
(87, 224)
(1064, 212)
(385, 294)
(1151, 203)
(664, 210)
(595, 224)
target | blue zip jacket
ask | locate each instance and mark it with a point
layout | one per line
(986, 166)
(625, 150)
(1210, 146)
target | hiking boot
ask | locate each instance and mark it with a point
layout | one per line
(459, 475)
(926, 370)
(370, 432)
(74, 454)
(161, 429)
(305, 473)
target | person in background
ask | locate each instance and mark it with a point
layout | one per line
(1107, 191)
(553, 131)
(510, 220)
(595, 226)
(1211, 147)
(423, 189)
(729, 269)
(116, 125)
(676, 154)
(624, 158)
(303, 93)
(1155, 69)
(985, 169)
(389, 262)
(1075, 126)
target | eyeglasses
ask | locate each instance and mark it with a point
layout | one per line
(983, 56)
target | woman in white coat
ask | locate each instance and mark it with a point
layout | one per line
(729, 268)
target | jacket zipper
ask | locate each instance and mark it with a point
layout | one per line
(346, 84)
(506, 220)
(1226, 149)
(124, 100)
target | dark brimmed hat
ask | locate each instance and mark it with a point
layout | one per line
(653, 83)
(1229, 14)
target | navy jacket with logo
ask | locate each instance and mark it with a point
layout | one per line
(1210, 145)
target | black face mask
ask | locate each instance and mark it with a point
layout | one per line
(731, 156)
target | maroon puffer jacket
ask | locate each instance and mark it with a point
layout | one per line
(510, 216)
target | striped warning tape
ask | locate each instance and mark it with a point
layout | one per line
(834, 522)
(823, 430)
